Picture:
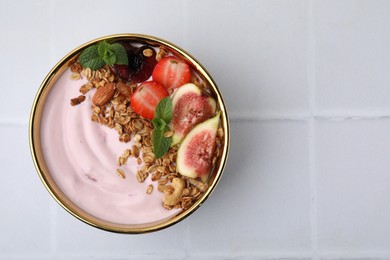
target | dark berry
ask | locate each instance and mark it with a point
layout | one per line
(141, 63)
(135, 62)
(147, 55)
(122, 71)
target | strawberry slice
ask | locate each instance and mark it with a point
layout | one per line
(171, 72)
(146, 97)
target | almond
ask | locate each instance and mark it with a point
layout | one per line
(104, 94)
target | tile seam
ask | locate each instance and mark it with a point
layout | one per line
(311, 86)
(23, 123)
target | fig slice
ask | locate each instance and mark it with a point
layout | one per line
(196, 152)
(190, 107)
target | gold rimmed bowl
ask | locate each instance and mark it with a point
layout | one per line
(45, 130)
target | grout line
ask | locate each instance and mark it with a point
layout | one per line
(366, 255)
(313, 188)
(256, 118)
(262, 256)
(311, 116)
(267, 117)
(25, 257)
(311, 60)
(311, 85)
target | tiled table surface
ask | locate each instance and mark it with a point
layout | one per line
(307, 84)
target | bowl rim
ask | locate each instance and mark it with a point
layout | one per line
(44, 174)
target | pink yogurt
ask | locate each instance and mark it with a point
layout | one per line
(81, 156)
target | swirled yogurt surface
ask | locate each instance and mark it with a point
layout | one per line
(81, 156)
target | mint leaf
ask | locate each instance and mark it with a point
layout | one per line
(95, 56)
(159, 123)
(109, 58)
(161, 144)
(105, 53)
(120, 53)
(90, 58)
(103, 48)
(162, 117)
(164, 110)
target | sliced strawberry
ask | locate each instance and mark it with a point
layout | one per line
(171, 72)
(146, 97)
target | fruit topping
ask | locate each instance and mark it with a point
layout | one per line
(195, 154)
(141, 62)
(190, 107)
(171, 72)
(146, 97)
(122, 71)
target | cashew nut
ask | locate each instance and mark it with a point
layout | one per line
(172, 199)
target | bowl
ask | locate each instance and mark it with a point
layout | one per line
(57, 130)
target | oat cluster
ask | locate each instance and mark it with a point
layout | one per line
(114, 111)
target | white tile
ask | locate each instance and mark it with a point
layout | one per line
(352, 55)
(75, 238)
(262, 204)
(76, 22)
(24, 201)
(353, 185)
(255, 50)
(25, 55)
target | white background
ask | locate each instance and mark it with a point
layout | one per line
(307, 85)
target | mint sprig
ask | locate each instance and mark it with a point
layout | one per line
(164, 110)
(120, 53)
(161, 120)
(96, 56)
(90, 58)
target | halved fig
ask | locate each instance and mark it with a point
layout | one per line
(196, 152)
(190, 107)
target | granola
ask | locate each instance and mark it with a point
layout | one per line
(111, 108)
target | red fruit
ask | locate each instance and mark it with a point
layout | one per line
(146, 97)
(122, 71)
(171, 72)
(190, 107)
(141, 64)
(196, 152)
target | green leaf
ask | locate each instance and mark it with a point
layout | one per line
(159, 123)
(109, 58)
(103, 48)
(120, 53)
(97, 55)
(90, 58)
(164, 110)
(161, 144)
(162, 117)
